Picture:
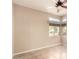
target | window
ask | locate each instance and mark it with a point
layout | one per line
(64, 30)
(53, 30)
(54, 27)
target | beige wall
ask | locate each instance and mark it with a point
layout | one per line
(30, 29)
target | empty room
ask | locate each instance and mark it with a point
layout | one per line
(39, 29)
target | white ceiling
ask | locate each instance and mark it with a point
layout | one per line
(42, 5)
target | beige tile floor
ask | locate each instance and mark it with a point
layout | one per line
(58, 52)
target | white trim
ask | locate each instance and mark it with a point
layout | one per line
(36, 49)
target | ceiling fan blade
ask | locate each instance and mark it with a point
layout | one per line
(54, 2)
(64, 6)
(59, 0)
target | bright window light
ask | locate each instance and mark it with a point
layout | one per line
(53, 19)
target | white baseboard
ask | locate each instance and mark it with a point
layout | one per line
(36, 49)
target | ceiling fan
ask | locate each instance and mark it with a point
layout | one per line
(60, 3)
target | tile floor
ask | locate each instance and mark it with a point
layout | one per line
(58, 52)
